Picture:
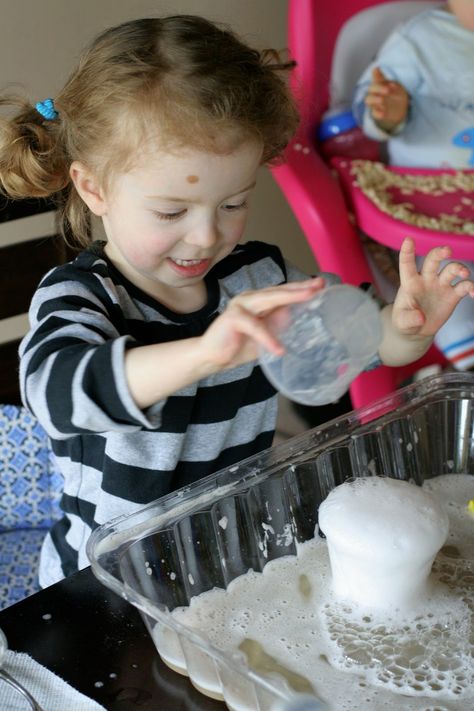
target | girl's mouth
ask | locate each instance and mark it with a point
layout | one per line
(189, 267)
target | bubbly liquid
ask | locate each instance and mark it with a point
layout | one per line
(286, 620)
(383, 535)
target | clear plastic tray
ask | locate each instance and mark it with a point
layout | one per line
(173, 549)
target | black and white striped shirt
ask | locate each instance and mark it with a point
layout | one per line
(114, 456)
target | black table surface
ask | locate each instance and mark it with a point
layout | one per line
(98, 643)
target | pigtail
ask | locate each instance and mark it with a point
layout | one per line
(272, 59)
(31, 162)
(74, 218)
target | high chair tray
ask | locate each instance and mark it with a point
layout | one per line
(434, 206)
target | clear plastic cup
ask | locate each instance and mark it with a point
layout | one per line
(328, 340)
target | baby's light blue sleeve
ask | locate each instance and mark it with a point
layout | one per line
(397, 59)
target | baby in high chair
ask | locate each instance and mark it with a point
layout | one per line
(418, 96)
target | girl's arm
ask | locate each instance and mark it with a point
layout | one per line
(81, 373)
(423, 303)
(399, 348)
(156, 371)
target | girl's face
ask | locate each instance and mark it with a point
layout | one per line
(174, 216)
(464, 11)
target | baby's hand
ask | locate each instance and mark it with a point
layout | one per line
(425, 300)
(235, 336)
(387, 100)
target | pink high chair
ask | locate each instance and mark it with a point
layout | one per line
(331, 56)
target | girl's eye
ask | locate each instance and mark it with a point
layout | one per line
(169, 215)
(233, 208)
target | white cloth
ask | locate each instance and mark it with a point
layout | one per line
(49, 690)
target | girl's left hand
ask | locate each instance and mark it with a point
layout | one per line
(426, 299)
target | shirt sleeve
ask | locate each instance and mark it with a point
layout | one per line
(295, 274)
(398, 61)
(72, 372)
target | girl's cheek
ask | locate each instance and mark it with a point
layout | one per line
(146, 248)
(155, 240)
(234, 232)
(240, 230)
(138, 256)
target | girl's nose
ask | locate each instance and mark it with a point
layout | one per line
(203, 235)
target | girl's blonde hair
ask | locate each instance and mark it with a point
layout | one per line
(182, 79)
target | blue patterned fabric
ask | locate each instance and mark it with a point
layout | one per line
(19, 561)
(30, 491)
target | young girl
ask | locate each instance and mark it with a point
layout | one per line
(141, 358)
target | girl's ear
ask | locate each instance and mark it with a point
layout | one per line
(88, 188)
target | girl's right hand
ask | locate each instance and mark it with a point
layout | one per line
(387, 101)
(236, 335)
(158, 370)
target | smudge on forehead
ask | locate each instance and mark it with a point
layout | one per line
(192, 178)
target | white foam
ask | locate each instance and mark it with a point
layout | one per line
(383, 535)
(354, 657)
(454, 491)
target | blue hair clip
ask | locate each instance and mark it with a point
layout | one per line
(46, 109)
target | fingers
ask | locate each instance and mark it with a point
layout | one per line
(376, 104)
(247, 310)
(383, 102)
(386, 99)
(377, 91)
(314, 284)
(406, 260)
(378, 76)
(452, 271)
(382, 85)
(247, 324)
(261, 301)
(432, 263)
(464, 288)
